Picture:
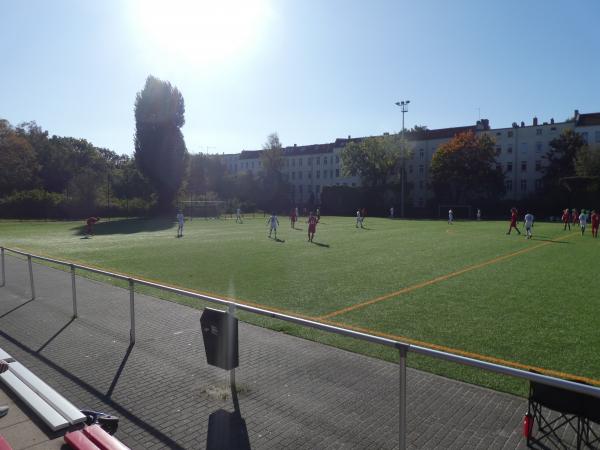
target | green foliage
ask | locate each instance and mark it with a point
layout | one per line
(375, 159)
(275, 191)
(561, 158)
(160, 151)
(463, 170)
(34, 204)
(18, 164)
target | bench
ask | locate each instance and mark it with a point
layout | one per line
(93, 437)
(4, 445)
(54, 410)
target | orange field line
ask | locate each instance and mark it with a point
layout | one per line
(433, 281)
(455, 351)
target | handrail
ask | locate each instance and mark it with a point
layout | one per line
(403, 347)
(496, 368)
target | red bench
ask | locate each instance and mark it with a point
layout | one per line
(93, 437)
(4, 445)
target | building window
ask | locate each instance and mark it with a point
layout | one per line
(337, 159)
(293, 175)
(523, 147)
(324, 174)
(523, 166)
(538, 131)
(508, 185)
(309, 175)
(318, 160)
(300, 189)
(510, 134)
(498, 150)
(523, 185)
(538, 185)
(299, 162)
(552, 128)
(337, 173)
(252, 164)
(353, 184)
(498, 133)
(318, 174)
(410, 169)
(584, 136)
(310, 161)
(330, 173)
(317, 189)
(509, 167)
(538, 166)
(325, 160)
(538, 147)
(509, 150)
(422, 154)
(421, 170)
(299, 175)
(287, 163)
(293, 163)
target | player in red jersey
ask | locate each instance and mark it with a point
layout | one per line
(513, 221)
(312, 226)
(293, 218)
(90, 221)
(574, 216)
(595, 223)
(565, 219)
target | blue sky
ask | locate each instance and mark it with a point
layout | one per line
(310, 70)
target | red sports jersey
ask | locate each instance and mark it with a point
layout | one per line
(595, 220)
(513, 217)
(312, 220)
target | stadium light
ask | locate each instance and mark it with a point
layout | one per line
(403, 104)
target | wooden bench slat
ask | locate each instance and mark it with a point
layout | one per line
(79, 441)
(4, 445)
(104, 440)
(57, 401)
(46, 412)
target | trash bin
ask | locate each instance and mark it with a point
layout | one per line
(220, 335)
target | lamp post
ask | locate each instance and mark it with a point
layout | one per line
(403, 104)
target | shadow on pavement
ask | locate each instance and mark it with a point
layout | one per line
(126, 226)
(227, 430)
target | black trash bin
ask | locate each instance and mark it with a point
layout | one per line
(220, 334)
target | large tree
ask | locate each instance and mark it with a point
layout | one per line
(160, 151)
(464, 169)
(561, 158)
(18, 164)
(376, 159)
(275, 190)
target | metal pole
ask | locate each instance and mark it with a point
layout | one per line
(231, 312)
(131, 312)
(402, 400)
(74, 291)
(31, 277)
(3, 273)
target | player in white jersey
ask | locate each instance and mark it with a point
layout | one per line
(179, 224)
(359, 219)
(238, 216)
(450, 217)
(582, 221)
(273, 223)
(528, 224)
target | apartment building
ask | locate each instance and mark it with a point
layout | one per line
(520, 151)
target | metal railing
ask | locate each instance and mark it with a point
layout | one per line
(403, 348)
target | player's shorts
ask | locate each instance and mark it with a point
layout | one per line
(528, 226)
(274, 227)
(312, 228)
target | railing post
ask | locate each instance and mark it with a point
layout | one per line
(231, 312)
(131, 312)
(3, 272)
(74, 291)
(402, 400)
(31, 277)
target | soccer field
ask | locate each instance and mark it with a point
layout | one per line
(467, 288)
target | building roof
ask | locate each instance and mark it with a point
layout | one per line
(588, 120)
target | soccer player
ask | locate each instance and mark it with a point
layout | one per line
(595, 223)
(238, 216)
(528, 224)
(513, 221)
(180, 220)
(574, 216)
(312, 226)
(318, 214)
(450, 217)
(359, 219)
(565, 219)
(90, 221)
(294, 217)
(273, 223)
(391, 212)
(582, 221)
(478, 214)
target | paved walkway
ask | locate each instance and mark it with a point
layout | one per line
(293, 393)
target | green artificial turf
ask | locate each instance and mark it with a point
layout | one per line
(536, 307)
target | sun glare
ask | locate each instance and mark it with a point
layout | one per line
(200, 31)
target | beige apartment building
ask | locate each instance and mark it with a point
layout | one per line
(520, 151)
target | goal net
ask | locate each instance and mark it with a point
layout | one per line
(206, 209)
(460, 211)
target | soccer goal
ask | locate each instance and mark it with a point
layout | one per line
(206, 209)
(460, 211)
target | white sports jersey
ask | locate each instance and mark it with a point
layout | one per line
(273, 221)
(582, 219)
(529, 220)
(180, 218)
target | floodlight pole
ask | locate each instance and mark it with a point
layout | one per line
(403, 104)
